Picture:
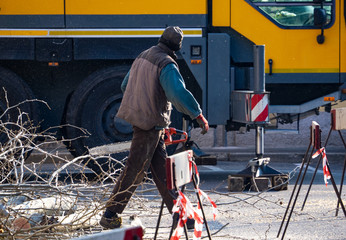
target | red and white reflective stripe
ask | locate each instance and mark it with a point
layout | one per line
(326, 172)
(259, 108)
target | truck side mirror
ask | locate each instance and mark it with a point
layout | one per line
(320, 19)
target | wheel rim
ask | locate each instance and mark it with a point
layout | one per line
(114, 128)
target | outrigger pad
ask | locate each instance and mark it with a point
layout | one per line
(239, 184)
(265, 177)
(206, 160)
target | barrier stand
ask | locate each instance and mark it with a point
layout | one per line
(336, 125)
(342, 177)
(180, 171)
(159, 220)
(315, 141)
(296, 184)
(317, 166)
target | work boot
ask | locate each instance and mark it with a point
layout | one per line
(111, 223)
(190, 223)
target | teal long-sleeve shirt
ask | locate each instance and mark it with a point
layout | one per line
(174, 86)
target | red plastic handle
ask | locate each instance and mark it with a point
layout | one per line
(169, 132)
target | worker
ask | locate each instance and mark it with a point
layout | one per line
(150, 88)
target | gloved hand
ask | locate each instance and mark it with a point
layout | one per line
(203, 123)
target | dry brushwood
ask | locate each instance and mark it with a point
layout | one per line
(36, 201)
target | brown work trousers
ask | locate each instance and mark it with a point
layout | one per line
(147, 150)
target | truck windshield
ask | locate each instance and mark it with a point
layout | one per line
(293, 13)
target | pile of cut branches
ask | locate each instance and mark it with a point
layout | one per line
(55, 197)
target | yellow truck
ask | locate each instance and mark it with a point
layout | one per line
(73, 54)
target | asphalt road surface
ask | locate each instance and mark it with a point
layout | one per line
(253, 215)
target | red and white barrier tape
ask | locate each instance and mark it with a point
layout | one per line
(185, 209)
(201, 193)
(326, 172)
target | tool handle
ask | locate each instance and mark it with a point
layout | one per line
(169, 132)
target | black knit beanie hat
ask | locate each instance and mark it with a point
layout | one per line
(172, 37)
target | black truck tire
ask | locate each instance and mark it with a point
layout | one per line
(14, 92)
(90, 114)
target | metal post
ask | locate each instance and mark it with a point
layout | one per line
(185, 125)
(259, 141)
(259, 86)
(259, 74)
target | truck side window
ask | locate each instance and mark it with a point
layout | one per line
(293, 13)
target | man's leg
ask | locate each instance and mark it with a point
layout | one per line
(158, 171)
(141, 152)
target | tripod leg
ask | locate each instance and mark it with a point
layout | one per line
(200, 203)
(336, 190)
(185, 230)
(295, 200)
(341, 184)
(294, 189)
(343, 175)
(159, 220)
(312, 180)
(342, 139)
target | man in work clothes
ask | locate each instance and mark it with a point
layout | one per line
(151, 85)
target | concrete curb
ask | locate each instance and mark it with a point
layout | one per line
(295, 154)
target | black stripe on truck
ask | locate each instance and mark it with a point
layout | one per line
(102, 21)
